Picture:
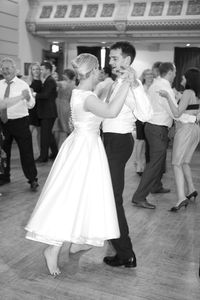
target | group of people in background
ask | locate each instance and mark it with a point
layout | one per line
(82, 199)
(153, 135)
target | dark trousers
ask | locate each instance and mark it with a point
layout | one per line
(47, 139)
(119, 148)
(157, 137)
(18, 129)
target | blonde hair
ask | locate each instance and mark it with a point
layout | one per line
(84, 64)
(144, 73)
(30, 73)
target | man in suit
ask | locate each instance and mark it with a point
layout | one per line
(118, 142)
(15, 124)
(47, 113)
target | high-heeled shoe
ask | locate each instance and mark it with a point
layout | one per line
(192, 195)
(185, 203)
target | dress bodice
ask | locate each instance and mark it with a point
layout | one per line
(83, 120)
(192, 100)
(36, 85)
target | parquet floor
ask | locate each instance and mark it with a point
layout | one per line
(167, 247)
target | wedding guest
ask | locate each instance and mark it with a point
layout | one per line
(15, 124)
(47, 113)
(187, 137)
(4, 104)
(35, 84)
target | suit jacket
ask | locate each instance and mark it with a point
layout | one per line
(46, 99)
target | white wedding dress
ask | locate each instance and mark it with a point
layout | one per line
(77, 202)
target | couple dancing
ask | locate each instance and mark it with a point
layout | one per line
(81, 201)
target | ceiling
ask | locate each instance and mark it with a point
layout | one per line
(102, 22)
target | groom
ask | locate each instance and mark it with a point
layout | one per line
(118, 142)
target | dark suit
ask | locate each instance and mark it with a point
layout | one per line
(157, 137)
(119, 148)
(47, 113)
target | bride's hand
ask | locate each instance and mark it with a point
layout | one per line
(129, 75)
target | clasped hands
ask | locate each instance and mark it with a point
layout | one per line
(25, 95)
(129, 75)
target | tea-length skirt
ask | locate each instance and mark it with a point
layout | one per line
(77, 202)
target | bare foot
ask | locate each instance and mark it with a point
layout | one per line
(51, 257)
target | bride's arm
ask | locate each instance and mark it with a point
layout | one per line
(108, 110)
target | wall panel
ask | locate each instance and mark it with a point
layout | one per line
(9, 29)
(9, 7)
(8, 21)
(7, 34)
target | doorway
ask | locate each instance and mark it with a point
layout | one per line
(56, 59)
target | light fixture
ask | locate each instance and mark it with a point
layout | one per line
(188, 45)
(55, 48)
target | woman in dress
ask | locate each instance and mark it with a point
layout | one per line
(61, 128)
(187, 137)
(35, 84)
(77, 202)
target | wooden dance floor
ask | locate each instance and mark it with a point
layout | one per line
(167, 246)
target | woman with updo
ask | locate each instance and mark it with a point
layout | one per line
(77, 204)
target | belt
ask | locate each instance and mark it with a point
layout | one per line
(163, 126)
(12, 120)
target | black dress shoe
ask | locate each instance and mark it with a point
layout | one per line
(144, 204)
(4, 181)
(115, 261)
(161, 191)
(34, 185)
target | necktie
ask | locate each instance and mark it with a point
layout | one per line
(4, 117)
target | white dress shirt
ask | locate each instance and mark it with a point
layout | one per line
(137, 106)
(20, 109)
(162, 114)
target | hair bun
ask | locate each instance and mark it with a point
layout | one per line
(83, 64)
